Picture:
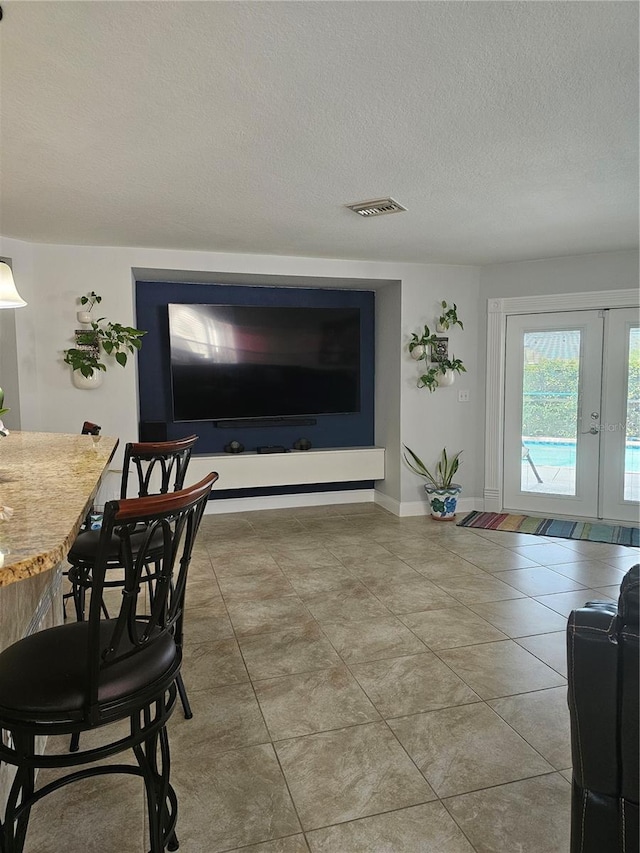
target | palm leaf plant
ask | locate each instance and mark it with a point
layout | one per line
(444, 472)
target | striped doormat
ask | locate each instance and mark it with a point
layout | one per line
(591, 531)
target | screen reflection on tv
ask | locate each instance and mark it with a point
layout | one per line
(246, 361)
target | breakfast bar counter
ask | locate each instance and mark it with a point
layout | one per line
(47, 484)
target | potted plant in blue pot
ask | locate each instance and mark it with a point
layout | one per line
(442, 492)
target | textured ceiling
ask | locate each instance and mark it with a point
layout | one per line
(508, 129)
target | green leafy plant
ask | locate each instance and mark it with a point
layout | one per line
(421, 347)
(113, 338)
(449, 316)
(445, 469)
(90, 299)
(430, 378)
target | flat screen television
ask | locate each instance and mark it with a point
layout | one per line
(233, 362)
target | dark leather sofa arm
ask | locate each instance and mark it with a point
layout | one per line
(603, 674)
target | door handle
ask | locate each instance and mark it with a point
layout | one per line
(593, 431)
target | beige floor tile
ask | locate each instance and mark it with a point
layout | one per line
(590, 573)
(264, 616)
(501, 561)
(568, 775)
(268, 583)
(455, 626)
(304, 513)
(470, 547)
(448, 566)
(306, 558)
(364, 508)
(520, 617)
(343, 775)
(466, 748)
(611, 592)
(507, 538)
(287, 652)
(542, 718)
(292, 844)
(357, 554)
(539, 580)
(548, 553)
(500, 669)
(307, 581)
(565, 602)
(272, 521)
(207, 665)
(372, 639)
(472, 589)
(531, 816)
(322, 526)
(408, 685)
(600, 550)
(291, 539)
(419, 829)
(411, 595)
(203, 593)
(240, 798)
(235, 565)
(92, 816)
(283, 547)
(202, 625)
(298, 705)
(549, 648)
(389, 569)
(223, 718)
(415, 548)
(346, 604)
(230, 544)
(624, 562)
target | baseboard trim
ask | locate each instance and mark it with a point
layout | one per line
(289, 501)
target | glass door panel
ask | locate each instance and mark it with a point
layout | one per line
(632, 421)
(620, 466)
(550, 385)
(552, 410)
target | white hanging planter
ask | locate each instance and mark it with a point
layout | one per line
(87, 383)
(84, 318)
(447, 378)
(417, 352)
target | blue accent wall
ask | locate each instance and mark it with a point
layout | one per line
(154, 378)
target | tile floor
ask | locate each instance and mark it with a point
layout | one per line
(363, 684)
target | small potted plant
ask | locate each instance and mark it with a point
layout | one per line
(442, 492)
(91, 299)
(114, 339)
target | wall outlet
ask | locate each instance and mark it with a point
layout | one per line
(463, 396)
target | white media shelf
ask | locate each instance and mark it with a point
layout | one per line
(297, 467)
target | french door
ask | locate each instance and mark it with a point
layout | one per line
(572, 406)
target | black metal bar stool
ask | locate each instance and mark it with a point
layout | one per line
(160, 467)
(83, 675)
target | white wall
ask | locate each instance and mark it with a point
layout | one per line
(431, 421)
(573, 274)
(52, 277)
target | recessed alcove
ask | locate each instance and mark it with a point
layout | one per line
(376, 424)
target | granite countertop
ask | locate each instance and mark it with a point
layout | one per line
(49, 480)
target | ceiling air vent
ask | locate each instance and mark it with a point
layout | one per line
(376, 207)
